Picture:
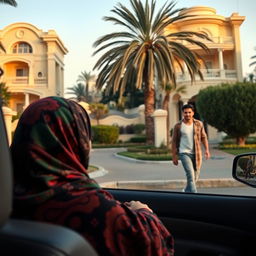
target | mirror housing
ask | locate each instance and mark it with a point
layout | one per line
(244, 169)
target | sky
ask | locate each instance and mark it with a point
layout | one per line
(79, 24)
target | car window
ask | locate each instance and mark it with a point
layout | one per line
(64, 53)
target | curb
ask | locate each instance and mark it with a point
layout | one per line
(172, 184)
(100, 172)
(163, 184)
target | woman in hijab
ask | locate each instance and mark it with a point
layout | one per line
(50, 152)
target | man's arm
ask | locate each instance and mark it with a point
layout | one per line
(205, 144)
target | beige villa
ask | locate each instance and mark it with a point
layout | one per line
(223, 63)
(32, 63)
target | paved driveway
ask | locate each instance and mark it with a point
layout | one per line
(119, 169)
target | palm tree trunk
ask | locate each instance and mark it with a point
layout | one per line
(166, 107)
(149, 99)
(87, 91)
(240, 141)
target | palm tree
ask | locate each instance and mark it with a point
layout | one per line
(12, 3)
(147, 47)
(79, 92)
(86, 77)
(98, 110)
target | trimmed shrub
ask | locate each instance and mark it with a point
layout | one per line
(138, 128)
(129, 129)
(105, 134)
(138, 139)
(229, 108)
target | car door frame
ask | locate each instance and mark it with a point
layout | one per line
(202, 224)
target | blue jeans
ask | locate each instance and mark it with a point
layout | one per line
(188, 162)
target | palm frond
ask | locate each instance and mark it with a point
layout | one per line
(10, 2)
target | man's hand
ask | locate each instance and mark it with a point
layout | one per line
(207, 154)
(175, 160)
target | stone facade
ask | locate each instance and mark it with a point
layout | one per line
(223, 62)
(33, 63)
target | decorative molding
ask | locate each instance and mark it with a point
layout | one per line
(20, 33)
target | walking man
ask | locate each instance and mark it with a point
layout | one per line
(188, 134)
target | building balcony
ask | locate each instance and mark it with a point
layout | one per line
(210, 74)
(24, 80)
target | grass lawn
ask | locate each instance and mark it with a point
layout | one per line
(144, 156)
(239, 151)
(92, 168)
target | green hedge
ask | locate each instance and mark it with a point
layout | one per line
(138, 139)
(143, 156)
(235, 146)
(105, 134)
(228, 140)
(149, 150)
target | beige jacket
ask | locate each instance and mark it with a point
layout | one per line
(200, 136)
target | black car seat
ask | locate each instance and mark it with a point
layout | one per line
(18, 237)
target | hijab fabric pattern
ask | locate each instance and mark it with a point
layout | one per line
(50, 152)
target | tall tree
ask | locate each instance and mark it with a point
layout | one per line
(10, 2)
(86, 77)
(98, 110)
(147, 50)
(5, 95)
(229, 108)
(79, 92)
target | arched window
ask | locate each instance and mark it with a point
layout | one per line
(22, 47)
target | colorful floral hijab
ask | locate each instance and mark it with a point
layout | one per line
(50, 152)
(51, 148)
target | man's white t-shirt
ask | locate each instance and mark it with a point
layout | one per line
(186, 138)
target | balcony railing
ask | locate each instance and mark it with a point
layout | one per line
(210, 74)
(25, 80)
(215, 40)
(41, 80)
(17, 80)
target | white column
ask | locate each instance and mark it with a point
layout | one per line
(221, 64)
(62, 81)
(160, 117)
(238, 58)
(141, 110)
(26, 100)
(51, 71)
(8, 113)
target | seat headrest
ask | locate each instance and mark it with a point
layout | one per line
(5, 174)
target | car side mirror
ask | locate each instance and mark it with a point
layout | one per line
(244, 169)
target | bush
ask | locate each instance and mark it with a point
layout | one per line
(229, 108)
(138, 139)
(158, 151)
(105, 134)
(138, 128)
(129, 129)
(235, 146)
(230, 140)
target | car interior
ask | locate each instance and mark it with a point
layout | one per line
(19, 237)
(202, 225)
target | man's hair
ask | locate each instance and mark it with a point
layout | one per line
(188, 106)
